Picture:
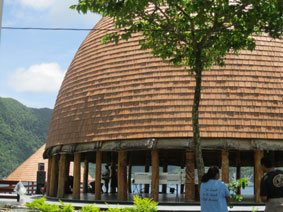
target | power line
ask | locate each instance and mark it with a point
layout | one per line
(85, 29)
(55, 29)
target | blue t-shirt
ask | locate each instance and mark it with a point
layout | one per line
(212, 196)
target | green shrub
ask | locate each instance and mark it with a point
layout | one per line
(140, 205)
(39, 204)
(254, 210)
(66, 207)
(144, 204)
(114, 209)
(89, 208)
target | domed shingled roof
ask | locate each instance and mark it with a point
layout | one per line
(120, 92)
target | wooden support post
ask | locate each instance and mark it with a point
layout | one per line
(85, 176)
(32, 191)
(258, 173)
(155, 174)
(183, 183)
(164, 186)
(238, 169)
(68, 161)
(273, 159)
(225, 165)
(130, 174)
(54, 176)
(146, 169)
(190, 177)
(98, 176)
(129, 184)
(77, 175)
(62, 176)
(122, 176)
(49, 176)
(113, 174)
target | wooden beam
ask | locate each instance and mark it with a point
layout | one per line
(225, 165)
(49, 176)
(122, 176)
(258, 174)
(85, 176)
(77, 175)
(190, 177)
(155, 174)
(54, 176)
(62, 176)
(98, 176)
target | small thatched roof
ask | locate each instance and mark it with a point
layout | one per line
(27, 171)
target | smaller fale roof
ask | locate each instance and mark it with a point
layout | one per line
(27, 171)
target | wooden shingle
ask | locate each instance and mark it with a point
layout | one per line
(113, 92)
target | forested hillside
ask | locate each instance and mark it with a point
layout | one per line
(22, 131)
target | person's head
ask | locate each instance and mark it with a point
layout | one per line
(106, 166)
(212, 173)
(266, 163)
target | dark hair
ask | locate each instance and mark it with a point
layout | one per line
(210, 174)
(265, 161)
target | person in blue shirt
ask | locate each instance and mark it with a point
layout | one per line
(214, 194)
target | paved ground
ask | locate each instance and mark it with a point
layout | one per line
(12, 205)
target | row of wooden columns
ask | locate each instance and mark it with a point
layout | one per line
(57, 173)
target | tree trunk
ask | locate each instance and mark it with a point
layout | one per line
(225, 166)
(190, 177)
(195, 121)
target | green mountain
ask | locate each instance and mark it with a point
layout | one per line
(22, 131)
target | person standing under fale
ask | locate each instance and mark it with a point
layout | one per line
(106, 177)
(271, 186)
(214, 194)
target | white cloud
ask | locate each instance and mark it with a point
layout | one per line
(48, 13)
(45, 77)
(62, 15)
(38, 4)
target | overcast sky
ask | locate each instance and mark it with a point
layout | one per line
(33, 62)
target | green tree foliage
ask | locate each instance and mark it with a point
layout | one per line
(193, 33)
(22, 131)
(234, 188)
